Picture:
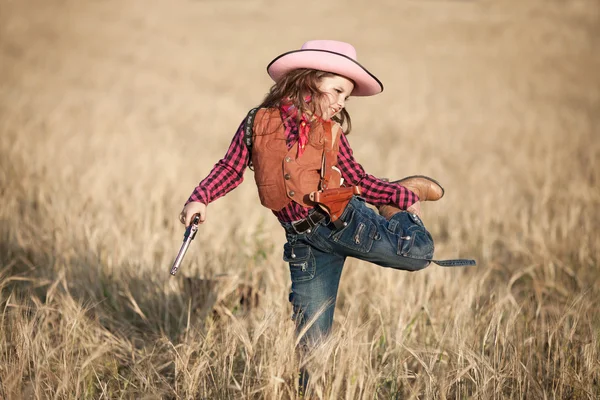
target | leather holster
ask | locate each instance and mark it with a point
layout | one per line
(334, 201)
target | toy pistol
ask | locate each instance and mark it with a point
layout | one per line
(189, 235)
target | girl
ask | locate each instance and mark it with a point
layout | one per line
(306, 174)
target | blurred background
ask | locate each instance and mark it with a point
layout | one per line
(111, 112)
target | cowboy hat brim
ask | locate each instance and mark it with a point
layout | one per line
(365, 83)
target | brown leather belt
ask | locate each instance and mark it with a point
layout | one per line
(309, 222)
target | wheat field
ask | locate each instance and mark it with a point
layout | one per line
(112, 111)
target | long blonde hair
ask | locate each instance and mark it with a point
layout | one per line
(297, 84)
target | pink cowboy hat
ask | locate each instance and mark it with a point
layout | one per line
(331, 56)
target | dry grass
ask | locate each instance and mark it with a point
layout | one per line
(111, 112)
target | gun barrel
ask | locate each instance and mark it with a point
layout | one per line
(180, 255)
(190, 234)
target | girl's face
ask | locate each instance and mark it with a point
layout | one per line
(336, 90)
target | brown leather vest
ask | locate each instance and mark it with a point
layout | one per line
(280, 175)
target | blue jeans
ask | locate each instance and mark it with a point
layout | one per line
(316, 258)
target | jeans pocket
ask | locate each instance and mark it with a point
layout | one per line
(358, 234)
(415, 241)
(301, 261)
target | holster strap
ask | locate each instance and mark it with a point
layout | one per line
(459, 262)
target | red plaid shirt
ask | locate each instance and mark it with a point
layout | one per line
(228, 173)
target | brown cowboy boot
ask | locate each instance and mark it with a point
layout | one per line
(426, 188)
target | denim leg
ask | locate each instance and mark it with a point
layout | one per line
(403, 242)
(315, 280)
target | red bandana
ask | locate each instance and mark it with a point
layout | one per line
(290, 111)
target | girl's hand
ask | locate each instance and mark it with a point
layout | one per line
(190, 209)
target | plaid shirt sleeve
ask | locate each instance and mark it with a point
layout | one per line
(374, 190)
(227, 174)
